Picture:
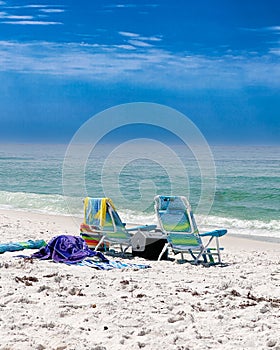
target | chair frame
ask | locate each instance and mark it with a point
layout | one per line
(201, 250)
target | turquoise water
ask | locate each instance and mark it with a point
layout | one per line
(245, 198)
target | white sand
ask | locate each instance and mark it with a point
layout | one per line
(44, 305)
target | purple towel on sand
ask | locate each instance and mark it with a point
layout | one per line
(67, 249)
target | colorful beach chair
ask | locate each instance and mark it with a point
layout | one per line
(103, 227)
(176, 220)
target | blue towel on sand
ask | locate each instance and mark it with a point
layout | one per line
(110, 264)
(15, 246)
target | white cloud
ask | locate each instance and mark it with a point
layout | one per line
(35, 18)
(125, 47)
(149, 65)
(125, 5)
(137, 40)
(5, 15)
(150, 38)
(275, 51)
(37, 23)
(17, 7)
(16, 17)
(35, 6)
(45, 10)
(139, 43)
(129, 34)
(274, 28)
(132, 5)
(263, 29)
(122, 6)
(140, 37)
(152, 5)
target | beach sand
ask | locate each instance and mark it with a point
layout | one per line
(44, 305)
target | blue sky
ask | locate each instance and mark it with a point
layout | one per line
(218, 62)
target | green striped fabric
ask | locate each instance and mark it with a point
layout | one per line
(175, 220)
(179, 239)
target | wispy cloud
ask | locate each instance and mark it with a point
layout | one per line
(146, 65)
(269, 35)
(18, 7)
(129, 34)
(45, 10)
(4, 15)
(137, 40)
(139, 43)
(19, 17)
(275, 51)
(139, 5)
(150, 38)
(122, 6)
(138, 36)
(16, 15)
(270, 29)
(274, 28)
(152, 5)
(34, 23)
(37, 6)
(126, 47)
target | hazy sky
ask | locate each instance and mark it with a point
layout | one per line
(216, 61)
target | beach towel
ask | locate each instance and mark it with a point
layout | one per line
(110, 264)
(16, 246)
(73, 250)
(67, 249)
(95, 210)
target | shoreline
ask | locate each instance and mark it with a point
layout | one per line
(267, 239)
(68, 224)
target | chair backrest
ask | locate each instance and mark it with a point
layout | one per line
(177, 221)
(100, 213)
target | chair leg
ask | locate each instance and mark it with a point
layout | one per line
(218, 250)
(125, 249)
(99, 243)
(166, 245)
(192, 254)
(203, 251)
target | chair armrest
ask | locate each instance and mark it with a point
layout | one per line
(215, 233)
(142, 228)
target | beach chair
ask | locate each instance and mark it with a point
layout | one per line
(105, 227)
(176, 220)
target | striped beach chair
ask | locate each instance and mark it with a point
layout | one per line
(176, 220)
(103, 227)
(91, 235)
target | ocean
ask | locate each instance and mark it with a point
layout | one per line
(240, 191)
